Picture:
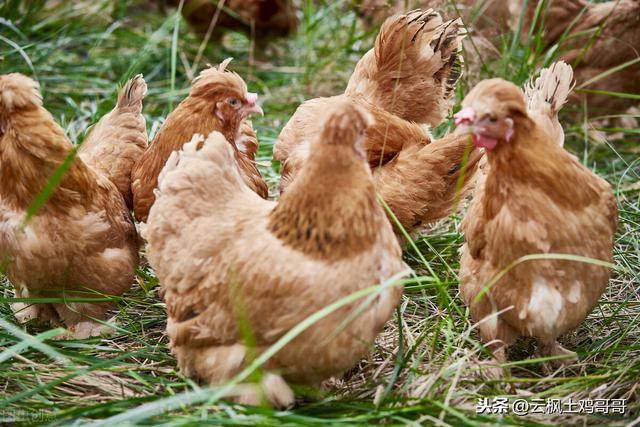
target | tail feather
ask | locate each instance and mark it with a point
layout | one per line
(175, 157)
(18, 91)
(413, 68)
(191, 170)
(451, 41)
(119, 138)
(132, 94)
(547, 94)
(406, 35)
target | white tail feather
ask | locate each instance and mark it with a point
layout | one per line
(174, 159)
(551, 89)
(547, 94)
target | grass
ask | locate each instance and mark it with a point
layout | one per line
(424, 368)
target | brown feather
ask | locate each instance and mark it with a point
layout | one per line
(196, 114)
(277, 17)
(117, 141)
(82, 238)
(420, 49)
(413, 67)
(537, 199)
(227, 258)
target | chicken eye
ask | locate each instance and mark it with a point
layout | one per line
(234, 102)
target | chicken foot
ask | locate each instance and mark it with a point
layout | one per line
(552, 348)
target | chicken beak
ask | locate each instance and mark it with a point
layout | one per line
(251, 105)
(253, 109)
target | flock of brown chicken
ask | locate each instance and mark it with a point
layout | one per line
(238, 272)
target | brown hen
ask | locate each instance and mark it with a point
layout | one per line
(218, 101)
(265, 17)
(234, 265)
(537, 199)
(595, 38)
(491, 17)
(82, 240)
(405, 82)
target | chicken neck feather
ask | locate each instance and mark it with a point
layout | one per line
(32, 148)
(531, 157)
(320, 214)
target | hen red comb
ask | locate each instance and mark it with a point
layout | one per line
(466, 115)
(252, 98)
